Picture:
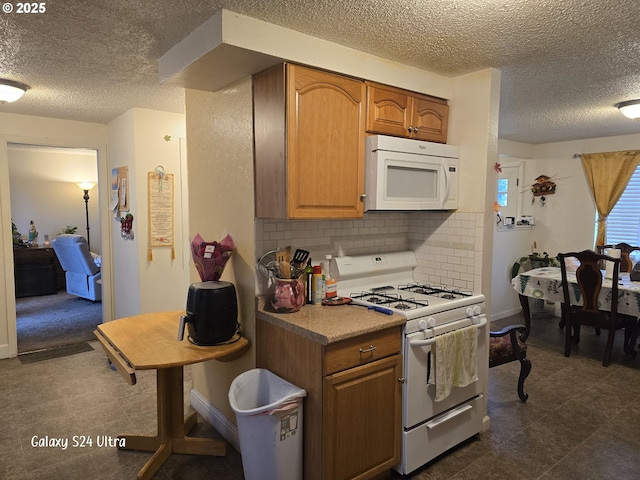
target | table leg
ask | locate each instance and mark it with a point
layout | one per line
(172, 427)
(526, 313)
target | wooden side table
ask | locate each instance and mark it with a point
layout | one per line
(149, 341)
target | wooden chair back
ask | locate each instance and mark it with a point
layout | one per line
(589, 279)
(625, 250)
(507, 346)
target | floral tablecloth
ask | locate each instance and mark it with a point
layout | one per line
(546, 283)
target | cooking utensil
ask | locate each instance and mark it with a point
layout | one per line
(285, 269)
(375, 308)
(299, 257)
(267, 265)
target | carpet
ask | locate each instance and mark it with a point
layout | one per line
(50, 321)
(56, 352)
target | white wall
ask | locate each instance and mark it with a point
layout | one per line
(43, 189)
(40, 131)
(508, 246)
(136, 140)
(511, 244)
(221, 201)
(567, 222)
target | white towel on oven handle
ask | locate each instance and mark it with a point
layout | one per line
(455, 360)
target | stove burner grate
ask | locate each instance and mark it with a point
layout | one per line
(392, 299)
(439, 291)
(376, 299)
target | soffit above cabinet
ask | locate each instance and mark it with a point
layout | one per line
(228, 47)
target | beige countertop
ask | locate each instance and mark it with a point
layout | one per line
(324, 324)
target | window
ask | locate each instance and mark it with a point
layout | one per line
(623, 223)
(503, 192)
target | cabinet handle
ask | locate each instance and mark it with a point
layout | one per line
(402, 380)
(362, 197)
(410, 129)
(367, 350)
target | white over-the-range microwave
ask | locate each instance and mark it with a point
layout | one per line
(406, 174)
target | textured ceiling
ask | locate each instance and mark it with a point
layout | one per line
(564, 63)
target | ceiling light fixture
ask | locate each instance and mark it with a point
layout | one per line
(630, 108)
(11, 91)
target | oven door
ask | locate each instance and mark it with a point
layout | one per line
(419, 390)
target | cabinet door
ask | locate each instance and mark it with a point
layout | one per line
(430, 117)
(325, 144)
(362, 420)
(388, 111)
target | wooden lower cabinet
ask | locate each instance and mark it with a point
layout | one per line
(352, 413)
(361, 420)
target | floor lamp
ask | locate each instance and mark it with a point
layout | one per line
(86, 186)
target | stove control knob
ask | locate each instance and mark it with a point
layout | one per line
(422, 324)
(469, 311)
(431, 321)
(477, 310)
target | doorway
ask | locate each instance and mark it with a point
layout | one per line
(47, 200)
(94, 141)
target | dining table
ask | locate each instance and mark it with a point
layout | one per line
(149, 342)
(546, 284)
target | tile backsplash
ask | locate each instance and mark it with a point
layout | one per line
(447, 244)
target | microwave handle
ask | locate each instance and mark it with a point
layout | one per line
(447, 182)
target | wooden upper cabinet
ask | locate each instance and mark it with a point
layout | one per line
(400, 113)
(309, 143)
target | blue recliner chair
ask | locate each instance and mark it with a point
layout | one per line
(81, 272)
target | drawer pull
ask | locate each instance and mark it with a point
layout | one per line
(367, 350)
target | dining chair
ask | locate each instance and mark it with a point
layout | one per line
(626, 265)
(506, 346)
(589, 284)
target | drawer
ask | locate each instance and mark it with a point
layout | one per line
(361, 349)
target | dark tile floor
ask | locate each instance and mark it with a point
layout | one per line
(582, 420)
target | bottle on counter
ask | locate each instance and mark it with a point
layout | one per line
(317, 285)
(330, 271)
(308, 282)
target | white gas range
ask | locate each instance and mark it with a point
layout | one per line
(385, 283)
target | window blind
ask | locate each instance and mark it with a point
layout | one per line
(623, 223)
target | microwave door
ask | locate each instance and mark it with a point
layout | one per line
(413, 184)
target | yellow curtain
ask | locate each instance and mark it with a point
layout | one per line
(608, 174)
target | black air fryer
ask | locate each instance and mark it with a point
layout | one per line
(212, 313)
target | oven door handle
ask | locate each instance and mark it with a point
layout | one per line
(423, 343)
(448, 416)
(430, 341)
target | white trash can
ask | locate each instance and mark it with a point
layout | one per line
(269, 414)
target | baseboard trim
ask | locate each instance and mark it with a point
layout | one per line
(4, 351)
(505, 314)
(211, 414)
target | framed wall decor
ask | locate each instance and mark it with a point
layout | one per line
(161, 215)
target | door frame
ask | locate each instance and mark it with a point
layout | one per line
(6, 256)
